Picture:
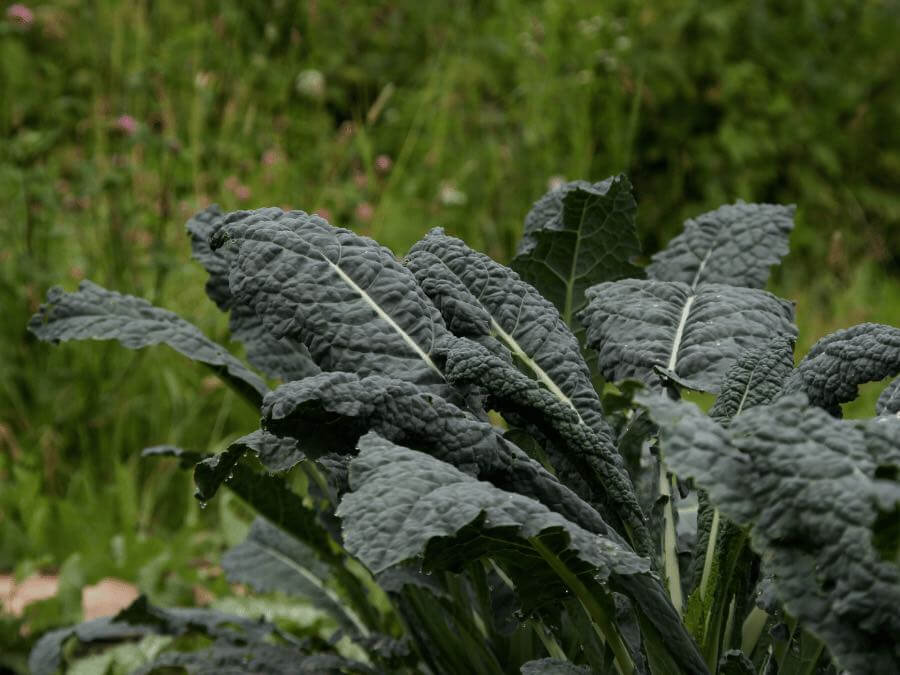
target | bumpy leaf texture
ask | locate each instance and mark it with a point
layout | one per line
(807, 486)
(277, 357)
(889, 401)
(756, 378)
(594, 453)
(736, 245)
(348, 299)
(425, 505)
(638, 325)
(475, 292)
(225, 659)
(402, 499)
(341, 407)
(830, 374)
(93, 312)
(578, 236)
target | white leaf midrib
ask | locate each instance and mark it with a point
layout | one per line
(679, 332)
(541, 374)
(379, 310)
(685, 311)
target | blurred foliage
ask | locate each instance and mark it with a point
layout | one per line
(119, 120)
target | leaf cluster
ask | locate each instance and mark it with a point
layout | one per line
(506, 452)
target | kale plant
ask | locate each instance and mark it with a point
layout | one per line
(507, 453)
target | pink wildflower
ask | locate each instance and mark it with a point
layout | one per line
(243, 192)
(383, 164)
(323, 213)
(126, 124)
(20, 14)
(271, 157)
(364, 212)
(360, 179)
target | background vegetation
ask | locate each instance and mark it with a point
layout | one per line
(119, 120)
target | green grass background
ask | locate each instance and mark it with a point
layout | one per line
(477, 105)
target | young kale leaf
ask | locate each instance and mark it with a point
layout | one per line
(577, 236)
(735, 244)
(701, 306)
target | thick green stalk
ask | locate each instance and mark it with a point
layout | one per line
(547, 639)
(670, 550)
(752, 629)
(710, 554)
(592, 606)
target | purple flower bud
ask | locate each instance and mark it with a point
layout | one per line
(20, 13)
(364, 212)
(383, 164)
(126, 124)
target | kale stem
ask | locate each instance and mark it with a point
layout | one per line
(752, 629)
(710, 554)
(547, 639)
(592, 606)
(670, 552)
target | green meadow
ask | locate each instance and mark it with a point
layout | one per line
(119, 120)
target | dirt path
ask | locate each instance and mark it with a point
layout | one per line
(104, 598)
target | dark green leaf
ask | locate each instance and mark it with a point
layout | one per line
(553, 667)
(807, 485)
(270, 560)
(493, 298)
(141, 619)
(349, 300)
(736, 244)
(889, 401)
(277, 357)
(341, 407)
(275, 453)
(402, 499)
(636, 325)
(830, 374)
(93, 312)
(756, 378)
(578, 236)
(46, 657)
(593, 452)
(224, 659)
